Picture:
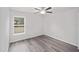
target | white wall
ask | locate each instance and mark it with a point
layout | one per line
(4, 29)
(78, 28)
(62, 26)
(33, 25)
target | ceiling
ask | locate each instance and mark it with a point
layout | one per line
(31, 9)
(23, 9)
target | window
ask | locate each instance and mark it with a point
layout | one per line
(18, 25)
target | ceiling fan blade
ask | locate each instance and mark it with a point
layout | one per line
(48, 12)
(36, 8)
(49, 8)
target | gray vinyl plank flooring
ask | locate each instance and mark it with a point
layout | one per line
(42, 43)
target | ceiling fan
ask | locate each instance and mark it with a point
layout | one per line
(44, 10)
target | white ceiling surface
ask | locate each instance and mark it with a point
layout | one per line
(23, 9)
(31, 9)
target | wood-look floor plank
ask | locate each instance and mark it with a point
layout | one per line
(42, 44)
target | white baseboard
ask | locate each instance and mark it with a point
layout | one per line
(61, 40)
(15, 40)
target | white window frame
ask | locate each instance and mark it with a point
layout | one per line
(24, 25)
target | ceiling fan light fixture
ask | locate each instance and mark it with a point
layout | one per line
(43, 12)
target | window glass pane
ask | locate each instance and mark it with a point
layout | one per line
(18, 25)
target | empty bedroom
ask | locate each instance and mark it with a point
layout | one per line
(39, 29)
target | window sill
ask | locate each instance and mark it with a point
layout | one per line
(19, 34)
